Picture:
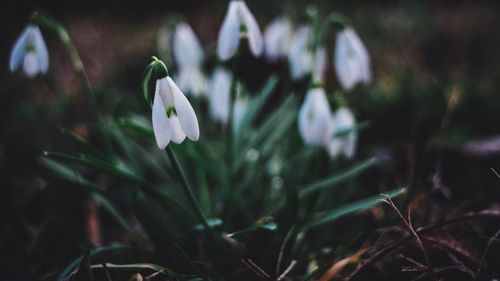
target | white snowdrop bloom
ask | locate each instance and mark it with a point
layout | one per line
(186, 48)
(173, 116)
(240, 109)
(342, 120)
(314, 118)
(301, 59)
(277, 39)
(238, 22)
(219, 95)
(352, 63)
(191, 80)
(30, 51)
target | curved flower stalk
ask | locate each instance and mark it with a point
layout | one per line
(163, 43)
(277, 39)
(352, 63)
(173, 116)
(302, 59)
(188, 55)
(219, 95)
(238, 22)
(314, 118)
(30, 51)
(342, 120)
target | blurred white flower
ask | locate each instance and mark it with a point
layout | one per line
(191, 80)
(352, 63)
(30, 51)
(277, 39)
(219, 94)
(238, 22)
(173, 116)
(301, 59)
(342, 120)
(315, 117)
(188, 55)
(186, 48)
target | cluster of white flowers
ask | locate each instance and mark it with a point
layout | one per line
(173, 117)
(318, 126)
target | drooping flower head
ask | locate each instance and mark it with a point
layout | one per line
(302, 59)
(315, 117)
(173, 116)
(219, 94)
(343, 134)
(186, 48)
(30, 51)
(238, 22)
(277, 39)
(188, 55)
(352, 63)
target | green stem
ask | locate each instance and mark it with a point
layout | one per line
(189, 192)
(77, 63)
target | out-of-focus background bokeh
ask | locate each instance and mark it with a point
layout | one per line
(433, 105)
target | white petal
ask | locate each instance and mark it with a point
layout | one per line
(220, 94)
(18, 50)
(40, 49)
(191, 81)
(352, 63)
(254, 34)
(345, 120)
(177, 134)
(164, 91)
(315, 118)
(161, 126)
(185, 112)
(186, 47)
(299, 56)
(277, 39)
(30, 64)
(229, 34)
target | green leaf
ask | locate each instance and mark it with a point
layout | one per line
(105, 252)
(117, 168)
(338, 178)
(357, 127)
(141, 266)
(74, 177)
(332, 215)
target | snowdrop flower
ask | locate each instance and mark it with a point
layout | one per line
(186, 48)
(314, 118)
(302, 59)
(352, 63)
(238, 22)
(30, 51)
(188, 55)
(191, 80)
(173, 116)
(342, 120)
(220, 95)
(277, 39)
